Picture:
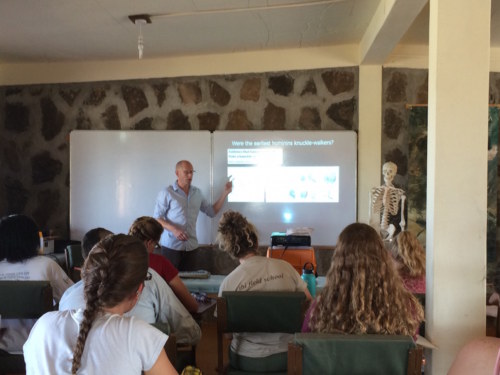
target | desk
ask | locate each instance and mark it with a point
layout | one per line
(211, 285)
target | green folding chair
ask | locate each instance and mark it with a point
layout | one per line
(74, 261)
(22, 300)
(256, 312)
(321, 353)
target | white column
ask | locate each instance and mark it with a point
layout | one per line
(459, 50)
(369, 136)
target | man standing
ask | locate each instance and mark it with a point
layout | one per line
(176, 209)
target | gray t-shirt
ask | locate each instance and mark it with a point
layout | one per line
(265, 274)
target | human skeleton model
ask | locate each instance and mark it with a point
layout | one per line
(385, 202)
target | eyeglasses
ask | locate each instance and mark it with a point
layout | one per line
(148, 276)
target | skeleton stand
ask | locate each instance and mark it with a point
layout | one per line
(384, 203)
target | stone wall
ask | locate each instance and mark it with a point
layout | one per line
(495, 99)
(402, 89)
(36, 121)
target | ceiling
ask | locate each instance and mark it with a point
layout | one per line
(79, 30)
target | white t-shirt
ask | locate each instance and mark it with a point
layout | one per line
(269, 274)
(15, 331)
(157, 303)
(37, 268)
(114, 345)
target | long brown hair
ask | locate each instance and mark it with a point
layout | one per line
(112, 272)
(363, 292)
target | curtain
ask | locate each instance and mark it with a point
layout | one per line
(417, 176)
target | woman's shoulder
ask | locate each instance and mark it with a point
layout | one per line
(37, 262)
(56, 317)
(156, 258)
(160, 260)
(282, 264)
(43, 260)
(51, 267)
(130, 324)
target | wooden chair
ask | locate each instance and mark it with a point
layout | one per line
(317, 353)
(22, 300)
(74, 261)
(256, 312)
(180, 355)
(171, 348)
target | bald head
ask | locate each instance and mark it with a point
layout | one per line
(184, 172)
(183, 164)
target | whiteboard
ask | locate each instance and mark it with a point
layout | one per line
(289, 179)
(115, 176)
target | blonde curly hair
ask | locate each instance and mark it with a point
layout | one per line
(236, 235)
(363, 291)
(409, 253)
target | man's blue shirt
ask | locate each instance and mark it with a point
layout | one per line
(174, 206)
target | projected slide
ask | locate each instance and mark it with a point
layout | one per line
(284, 184)
(293, 179)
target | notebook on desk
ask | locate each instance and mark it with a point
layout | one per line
(199, 274)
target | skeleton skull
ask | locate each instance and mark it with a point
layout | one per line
(389, 171)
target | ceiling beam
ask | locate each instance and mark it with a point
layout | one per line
(388, 25)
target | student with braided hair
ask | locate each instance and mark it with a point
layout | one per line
(363, 292)
(99, 339)
(157, 303)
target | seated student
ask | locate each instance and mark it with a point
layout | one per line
(73, 296)
(149, 231)
(257, 352)
(19, 260)
(363, 293)
(98, 339)
(409, 257)
(157, 303)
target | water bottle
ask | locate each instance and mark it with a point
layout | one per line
(309, 277)
(42, 243)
